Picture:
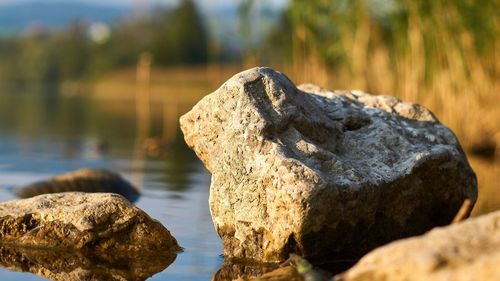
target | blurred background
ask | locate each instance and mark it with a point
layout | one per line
(92, 83)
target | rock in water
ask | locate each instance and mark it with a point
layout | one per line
(465, 251)
(326, 175)
(98, 222)
(83, 180)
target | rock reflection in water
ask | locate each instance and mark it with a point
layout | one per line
(234, 269)
(240, 270)
(61, 265)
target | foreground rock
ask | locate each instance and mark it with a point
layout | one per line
(83, 180)
(322, 174)
(100, 222)
(465, 251)
(64, 265)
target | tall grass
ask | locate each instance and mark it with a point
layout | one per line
(442, 54)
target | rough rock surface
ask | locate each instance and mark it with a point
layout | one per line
(101, 222)
(322, 174)
(464, 251)
(83, 180)
(64, 265)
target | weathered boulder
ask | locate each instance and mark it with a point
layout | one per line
(65, 265)
(326, 175)
(83, 180)
(464, 251)
(100, 222)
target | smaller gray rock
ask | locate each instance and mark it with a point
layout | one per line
(99, 222)
(464, 251)
(83, 180)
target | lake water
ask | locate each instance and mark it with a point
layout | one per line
(42, 135)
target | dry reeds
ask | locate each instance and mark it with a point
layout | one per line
(431, 57)
(444, 55)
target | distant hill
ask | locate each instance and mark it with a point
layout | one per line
(16, 17)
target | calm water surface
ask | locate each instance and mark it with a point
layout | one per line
(42, 135)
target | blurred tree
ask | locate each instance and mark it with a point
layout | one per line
(74, 47)
(42, 58)
(244, 11)
(127, 41)
(33, 61)
(9, 71)
(179, 36)
(173, 36)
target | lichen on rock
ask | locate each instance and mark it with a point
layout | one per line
(323, 174)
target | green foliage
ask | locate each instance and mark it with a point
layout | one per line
(324, 28)
(70, 52)
(245, 24)
(172, 36)
(180, 37)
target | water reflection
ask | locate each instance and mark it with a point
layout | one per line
(240, 270)
(181, 160)
(62, 265)
(40, 139)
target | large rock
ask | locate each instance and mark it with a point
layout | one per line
(83, 180)
(99, 222)
(322, 174)
(465, 251)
